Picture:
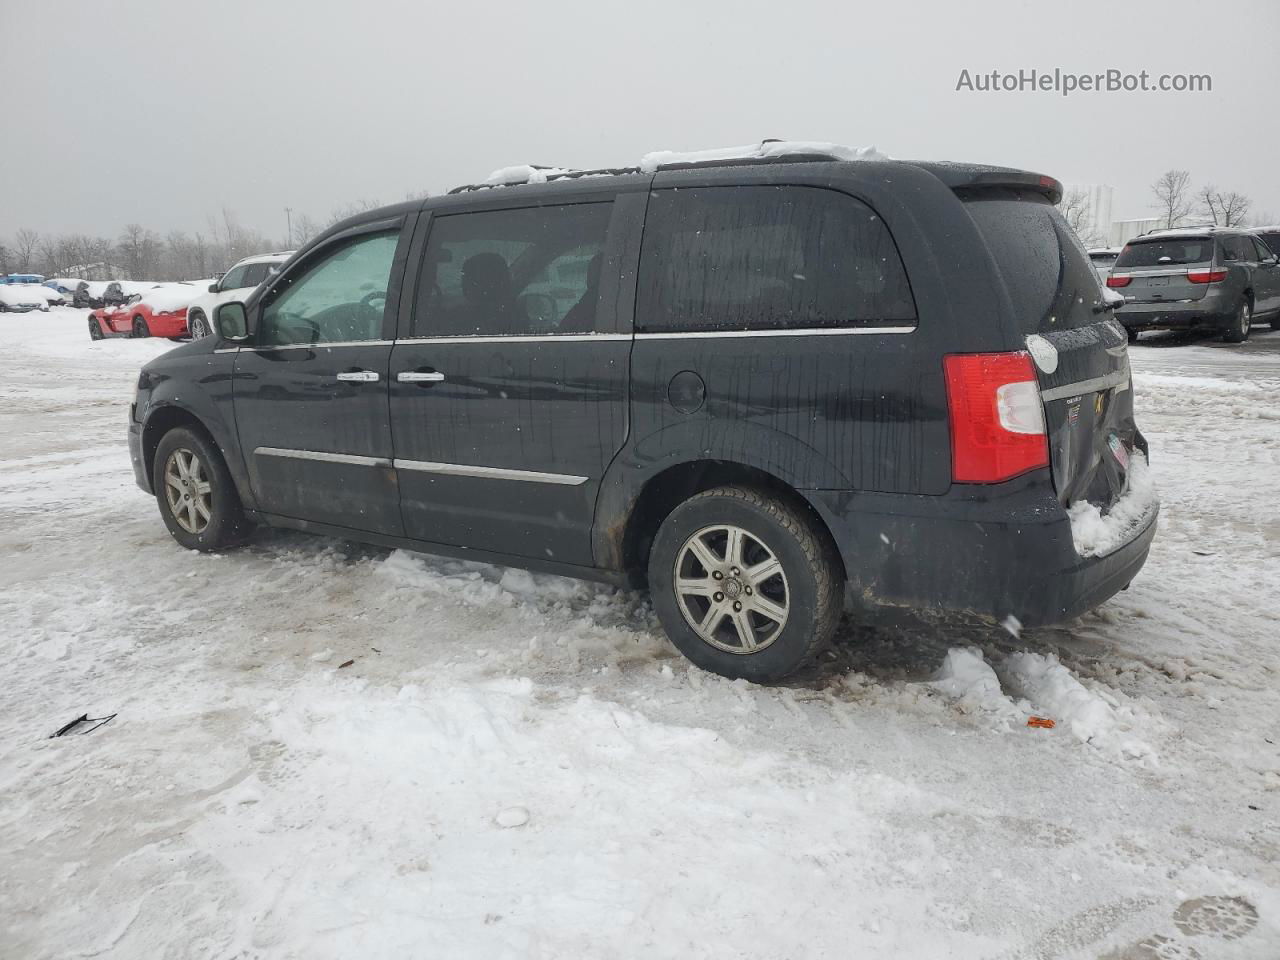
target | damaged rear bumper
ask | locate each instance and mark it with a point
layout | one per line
(991, 552)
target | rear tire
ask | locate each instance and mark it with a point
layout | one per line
(1133, 334)
(1275, 322)
(196, 495)
(140, 328)
(761, 589)
(1238, 331)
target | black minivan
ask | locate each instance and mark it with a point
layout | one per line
(767, 389)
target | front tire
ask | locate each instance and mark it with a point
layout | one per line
(195, 492)
(745, 584)
(140, 328)
(95, 329)
(199, 327)
(1238, 330)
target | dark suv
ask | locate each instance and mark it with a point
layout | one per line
(761, 388)
(1178, 279)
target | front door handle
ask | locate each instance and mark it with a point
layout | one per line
(359, 376)
(419, 376)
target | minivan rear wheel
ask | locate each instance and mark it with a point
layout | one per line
(1238, 330)
(744, 584)
(197, 497)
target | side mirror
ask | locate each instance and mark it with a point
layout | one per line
(213, 288)
(232, 321)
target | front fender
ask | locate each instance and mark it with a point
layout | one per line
(191, 387)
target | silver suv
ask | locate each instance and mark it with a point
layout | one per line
(1205, 276)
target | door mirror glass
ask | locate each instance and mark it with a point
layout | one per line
(232, 321)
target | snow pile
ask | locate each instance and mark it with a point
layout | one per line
(1096, 534)
(966, 678)
(1043, 352)
(756, 151)
(523, 173)
(1056, 693)
(23, 295)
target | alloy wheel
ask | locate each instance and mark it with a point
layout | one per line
(188, 491)
(731, 589)
(1246, 319)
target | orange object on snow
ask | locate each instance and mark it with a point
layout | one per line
(1046, 722)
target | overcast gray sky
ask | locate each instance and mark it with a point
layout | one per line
(164, 112)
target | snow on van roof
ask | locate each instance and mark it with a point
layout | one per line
(765, 150)
(525, 173)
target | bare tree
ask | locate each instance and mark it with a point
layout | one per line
(1172, 192)
(1077, 210)
(5, 257)
(25, 243)
(350, 210)
(1225, 209)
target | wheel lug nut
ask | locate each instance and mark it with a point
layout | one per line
(748, 591)
(736, 606)
(735, 571)
(719, 597)
(718, 575)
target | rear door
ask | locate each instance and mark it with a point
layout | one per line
(1154, 269)
(509, 382)
(310, 394)
(1266, 278)
(1081, 352)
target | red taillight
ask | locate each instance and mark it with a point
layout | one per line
(997, 420)
(1119, 281)
(1206, 276)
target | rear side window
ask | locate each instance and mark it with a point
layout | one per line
(767, 258)
(1172, 252)
(1237, 249)
(1046, 270)
(533, 270)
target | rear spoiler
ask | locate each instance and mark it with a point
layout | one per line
(961, 176)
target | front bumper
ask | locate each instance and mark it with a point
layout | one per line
(985, 552)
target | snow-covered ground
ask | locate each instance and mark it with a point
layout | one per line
(521, 766)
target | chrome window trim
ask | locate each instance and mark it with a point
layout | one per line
(322, 345)
(523, 338)
(488, 473)
(1081, 387)
(793, 332)
(326, 457)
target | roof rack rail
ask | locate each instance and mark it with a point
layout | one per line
(765, 152)
(560, 174)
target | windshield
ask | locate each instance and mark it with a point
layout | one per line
(1166, 253)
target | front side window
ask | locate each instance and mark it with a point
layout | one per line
(767, 258)
(340, 296)
(534, 270)
(232, 279)
(254, 274)
(1271, 244)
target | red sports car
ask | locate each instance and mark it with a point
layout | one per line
(160, 312)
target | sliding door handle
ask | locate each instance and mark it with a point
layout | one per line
(419, 376)
(358, 376)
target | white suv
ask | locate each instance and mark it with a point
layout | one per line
(246, 274)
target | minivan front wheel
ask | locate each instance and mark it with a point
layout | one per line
(1238, 330)
(744, 584)
(196, 494)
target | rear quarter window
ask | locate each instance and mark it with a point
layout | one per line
(1048, 274)
(767, 258)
